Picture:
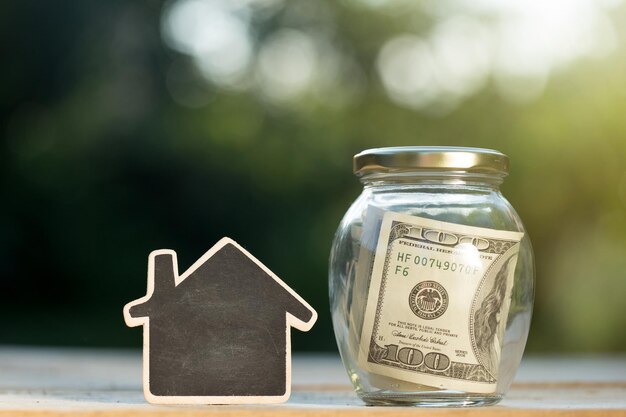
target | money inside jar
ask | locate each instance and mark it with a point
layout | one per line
(437, 301)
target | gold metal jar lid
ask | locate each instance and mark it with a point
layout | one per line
(404, 159)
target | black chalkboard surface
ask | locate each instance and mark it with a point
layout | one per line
(220, 332)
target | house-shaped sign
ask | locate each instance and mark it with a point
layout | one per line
(220, 332)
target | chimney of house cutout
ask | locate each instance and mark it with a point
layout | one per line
(164, 278)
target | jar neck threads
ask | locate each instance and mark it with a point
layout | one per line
(450, 178)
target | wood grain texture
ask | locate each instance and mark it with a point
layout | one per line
(53, 382)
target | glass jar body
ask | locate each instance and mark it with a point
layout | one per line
(461, 201)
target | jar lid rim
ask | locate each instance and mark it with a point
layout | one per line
(400, 159)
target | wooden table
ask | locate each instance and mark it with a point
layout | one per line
(54, 382)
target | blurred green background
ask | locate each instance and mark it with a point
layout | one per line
(133, 126)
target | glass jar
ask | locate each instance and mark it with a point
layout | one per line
(431, 278)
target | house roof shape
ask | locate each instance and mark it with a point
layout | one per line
(139, 312)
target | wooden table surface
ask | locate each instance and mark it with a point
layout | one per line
(54, 382)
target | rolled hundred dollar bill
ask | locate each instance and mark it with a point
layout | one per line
(437, 302)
